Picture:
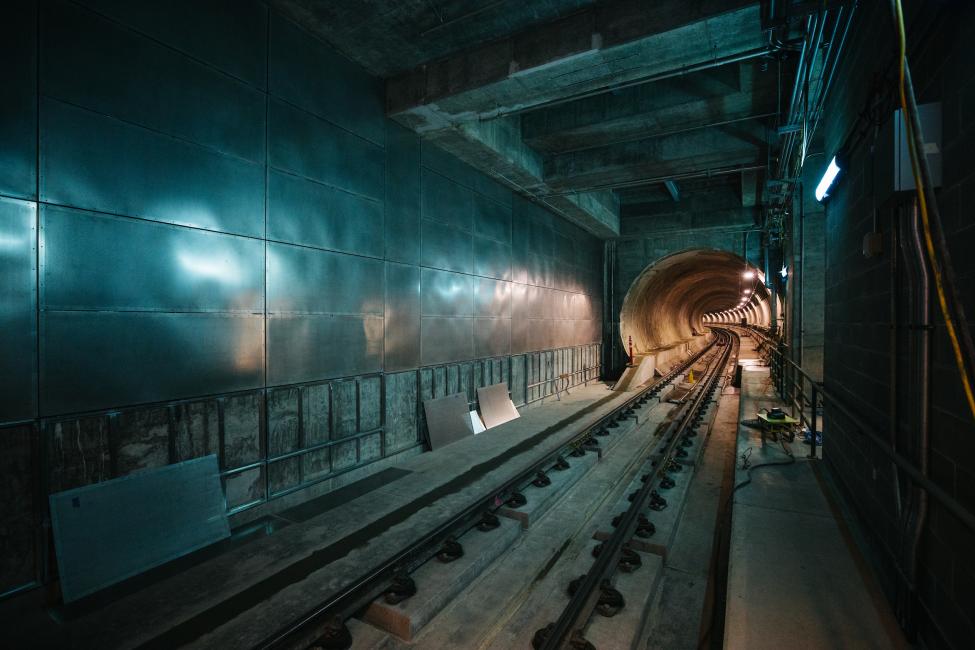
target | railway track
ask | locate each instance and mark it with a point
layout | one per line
(391, 579)
(593, 593)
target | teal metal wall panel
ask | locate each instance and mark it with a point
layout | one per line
(228, 34)
(445, 201)
(492, 220)
(302, 211)
(307, 145)
(446, 294)
(402, 223)
(309, 281)
(492, 337)
(18, 310)
(315, 346)
(492, 259)
(443, 247)
(307, 73)
(402, 318)
(18, 110)
(98, 163)
(444, 339)
(164, 90)
(434, 158)
(94, 360)
(100, 262)
(167, 513)
(492, 298)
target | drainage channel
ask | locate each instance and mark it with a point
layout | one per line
(331, 624)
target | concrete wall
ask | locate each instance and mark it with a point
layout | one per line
(858, 326)
(213, 241)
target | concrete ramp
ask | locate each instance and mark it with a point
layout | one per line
(637, 375)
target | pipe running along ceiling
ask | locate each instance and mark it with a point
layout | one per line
(672, 299)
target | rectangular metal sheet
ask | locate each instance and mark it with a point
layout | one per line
(519, 335)
(446, 294)
(162, 88)
(310, 74)
(492, 259)
(307, 145)
(18, 310)
(492, 337)
(492, 220)
(496, 407)
(309, 281)
(302, 211)
(436, 159)
(97, 261)
(492, 298)
(445, 201)
(190, 26)
(443, 340)
(168, 512)
(494, 190)
(94, 360)
(18, 110)
(402, 222)
(310, 347)
(95, 162)
(443, 247)
(402, 321)
(448, 420)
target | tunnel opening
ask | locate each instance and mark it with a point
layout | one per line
(669, 307)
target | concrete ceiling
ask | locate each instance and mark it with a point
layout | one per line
(588, 107)
(389, 36)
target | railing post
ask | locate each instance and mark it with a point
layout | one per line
(812, 420)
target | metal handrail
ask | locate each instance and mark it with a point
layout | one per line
(915, 474)
(571, 374)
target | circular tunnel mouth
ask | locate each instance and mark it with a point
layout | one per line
(676, 297)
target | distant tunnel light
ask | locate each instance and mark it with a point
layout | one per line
(823, 188)
(784, 272)
(748, 275)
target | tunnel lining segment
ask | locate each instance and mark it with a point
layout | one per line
(666, 304)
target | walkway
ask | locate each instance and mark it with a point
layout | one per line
(795, 580)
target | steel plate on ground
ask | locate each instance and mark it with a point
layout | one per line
(496, 407)
(448, 419)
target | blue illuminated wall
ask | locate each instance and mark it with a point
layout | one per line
(213, 241)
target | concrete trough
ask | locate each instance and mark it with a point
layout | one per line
(541, 499)
(438, 583)
(624, 630)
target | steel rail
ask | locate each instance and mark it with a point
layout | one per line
(567, 630)
(354, 596)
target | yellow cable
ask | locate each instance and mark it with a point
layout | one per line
(929, 242)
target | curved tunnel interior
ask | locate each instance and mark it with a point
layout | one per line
(673, 299)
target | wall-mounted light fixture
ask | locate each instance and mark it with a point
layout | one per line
(784, 272)
(832, 171)
(748, 275)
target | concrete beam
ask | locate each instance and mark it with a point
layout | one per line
(725, 94)
(495, 148)
(658, 158)
(606, 45)
(715, 220)
(751, 189)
